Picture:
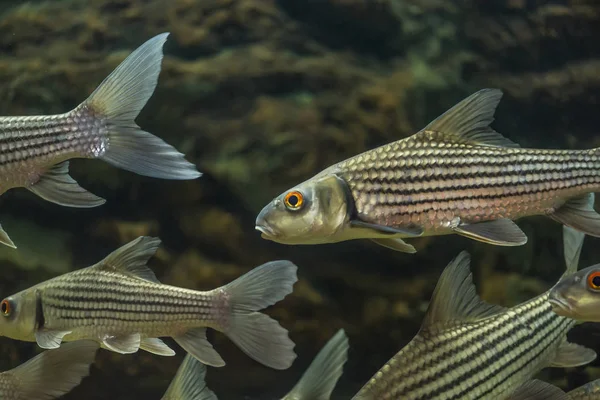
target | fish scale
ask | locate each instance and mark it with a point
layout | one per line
(467, 349)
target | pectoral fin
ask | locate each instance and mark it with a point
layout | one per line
(573, 355)
(156, 346)
(388, 230)
(57, 186)
(396, 244)
(579, 214)
(538, 390)
(123, 344)
(500, 232)
(5, 239)
(50, 339)
(194, 342)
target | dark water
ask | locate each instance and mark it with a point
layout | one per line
(262, 94)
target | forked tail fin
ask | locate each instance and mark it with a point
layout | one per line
(115, 104)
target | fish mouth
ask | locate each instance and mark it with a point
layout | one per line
(265, 230)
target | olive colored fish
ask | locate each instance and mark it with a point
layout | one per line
(589, 391)
(577, 296)
(322, 375)
(49, 375)
(189, 382)
(468, 349)
(34, 149)
(120, 303)
(456, 175)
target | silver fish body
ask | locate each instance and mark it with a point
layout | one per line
(120, 304)
(34, 150)
(50, 374)
(467, 349)
(456, 175)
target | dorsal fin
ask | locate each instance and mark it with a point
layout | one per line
(131, 258)
(572, 244)
(469, 122)
(455, 299)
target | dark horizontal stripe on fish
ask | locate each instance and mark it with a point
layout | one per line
(133, 320)
(70, 302)
(482, 334)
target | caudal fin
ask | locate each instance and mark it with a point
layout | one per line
(189, 383)
(116, 103)
(258, 335)
(54, 372)
(320, 378)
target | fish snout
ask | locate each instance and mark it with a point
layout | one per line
(263, 226)
(561, 305)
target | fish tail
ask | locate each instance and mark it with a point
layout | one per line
(114, 106)
(55, 372)
(257, 334)
(189, 382)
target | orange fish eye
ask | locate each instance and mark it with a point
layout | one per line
(293, 200)
(6, 307)
(594, 280)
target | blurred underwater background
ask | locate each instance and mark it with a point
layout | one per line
(263, 94)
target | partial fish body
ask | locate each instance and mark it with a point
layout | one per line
(120, 303)
(49, 375)
(320, 378)
(457, 175)
(467, 349)
(34, 149)
(189, 382)
(589, 391)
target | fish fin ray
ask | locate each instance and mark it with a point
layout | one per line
(455, 299)
(388, 230)
(50, 339)
(55, 372)
(396, 244)
(572, 355)
(538, 390)
(196, 344)
(322, 375)
(256, 334)
(126, 344)
(190, 382)
(156, 346)
(5, 239)
(119, 99)
(469, 122)
(58, 187)
(499, 232)
(572, 244)
(579, 213)
(132, 257)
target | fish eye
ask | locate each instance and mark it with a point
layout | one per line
(6, 307)
(594, 280)
(293, 200)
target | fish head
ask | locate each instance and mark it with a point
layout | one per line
(313, 212)
(18, 316)
(577, 295)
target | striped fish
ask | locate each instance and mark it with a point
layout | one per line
(49, 375)
(189, 382)
(456, 175)
(589, 391)
(468, 349)
(34, 149)
(119, 303)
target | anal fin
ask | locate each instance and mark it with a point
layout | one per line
(396, 244)
(500, 232)
(538, 390)
(573, 355)
(57, 186)
(156, 346)
(127, 344)
(194, 342)
(50, 339)
(579, 214)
